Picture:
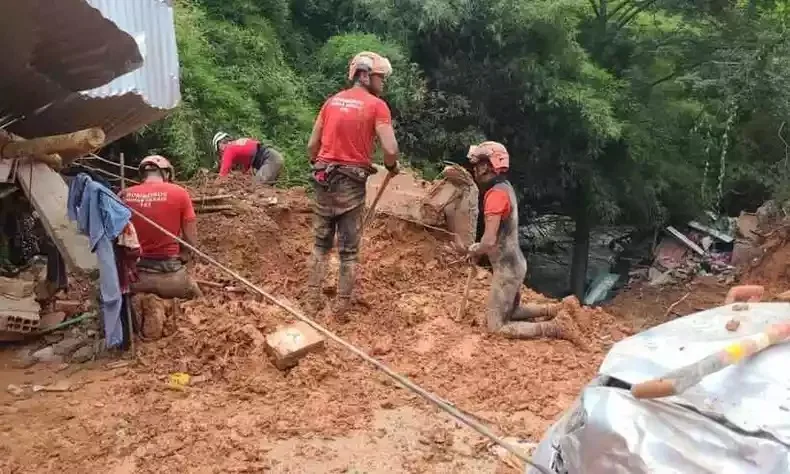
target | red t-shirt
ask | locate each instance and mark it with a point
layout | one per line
(238, 152)
(497, 203)
(167, 204)
(349, 120)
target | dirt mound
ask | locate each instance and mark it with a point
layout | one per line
(772, 269)
(409, 289)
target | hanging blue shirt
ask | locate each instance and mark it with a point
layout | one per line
(102, 217)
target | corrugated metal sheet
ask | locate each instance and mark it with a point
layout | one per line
(133, 97)
(150, 23)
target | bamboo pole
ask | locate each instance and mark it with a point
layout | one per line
(680, 380)
(123, 173)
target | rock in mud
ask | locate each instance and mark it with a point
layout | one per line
(68, 345)
(47, 355)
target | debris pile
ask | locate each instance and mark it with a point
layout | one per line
(703, 249)
(409, 286)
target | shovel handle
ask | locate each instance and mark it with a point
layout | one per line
(372, 210)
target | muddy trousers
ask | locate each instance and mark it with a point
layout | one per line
(339, 209)
(270, 170)
(506, 316)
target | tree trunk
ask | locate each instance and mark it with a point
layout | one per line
(581, 249)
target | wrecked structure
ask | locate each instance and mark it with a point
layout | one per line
(81, 74)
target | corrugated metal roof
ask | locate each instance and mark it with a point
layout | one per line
(135, 31)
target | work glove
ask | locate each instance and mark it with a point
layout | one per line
(473, 249)
(393, 169)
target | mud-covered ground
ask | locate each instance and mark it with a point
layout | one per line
(332, 413)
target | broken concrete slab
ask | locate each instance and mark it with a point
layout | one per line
(288, 345)
(48, 193)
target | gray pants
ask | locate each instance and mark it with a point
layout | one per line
(271, 168)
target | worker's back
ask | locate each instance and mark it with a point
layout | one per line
(349, 126)
(167, 204)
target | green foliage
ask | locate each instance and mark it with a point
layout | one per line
(626, 110)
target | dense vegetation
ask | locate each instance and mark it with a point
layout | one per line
(638, 111)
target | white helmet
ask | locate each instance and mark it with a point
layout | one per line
(218, 137)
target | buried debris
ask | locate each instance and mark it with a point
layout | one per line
(290, 344)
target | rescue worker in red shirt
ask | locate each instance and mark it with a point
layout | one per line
(504, 314)
(248, 154)
(162, 263)
(341, 148)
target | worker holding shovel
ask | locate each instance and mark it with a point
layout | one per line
(504, 315)
(341, 149)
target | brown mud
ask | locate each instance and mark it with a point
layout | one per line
(333, 412)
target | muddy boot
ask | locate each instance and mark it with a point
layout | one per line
(536, 312)
(345, 284)
(564, 327)
(312, 299)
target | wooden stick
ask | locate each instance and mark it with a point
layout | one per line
(123, 174)
(210, 284)
(680, 380)
(214, 208)
(218, 197)
(79, 142)
(672, 306)
(372, 210)
(469, 278)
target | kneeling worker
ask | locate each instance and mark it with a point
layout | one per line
(162, 269)
(250, 154)
(504, 314)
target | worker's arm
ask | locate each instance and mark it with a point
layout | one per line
(488, 242)
(314, 144)
(389, 144)
(386, 136)
(226, 161)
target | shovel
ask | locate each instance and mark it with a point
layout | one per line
(372, 210)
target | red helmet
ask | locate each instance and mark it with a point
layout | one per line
(494, 152)
(159, 162)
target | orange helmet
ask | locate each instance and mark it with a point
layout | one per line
(371, 62)
(159, 162)
(494, 152)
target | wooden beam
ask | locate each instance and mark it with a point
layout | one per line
(83, 141)
(48, 193)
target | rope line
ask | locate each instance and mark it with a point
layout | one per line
(404, 381)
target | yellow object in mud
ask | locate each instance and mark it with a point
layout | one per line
(178, 380)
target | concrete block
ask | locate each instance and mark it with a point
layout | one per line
(288, 345)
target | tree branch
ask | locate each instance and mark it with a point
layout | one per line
(595, 8)
(675, 73)
(639, 8)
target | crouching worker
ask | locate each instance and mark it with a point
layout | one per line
(504, 314)
(250, 155)
(162, 267)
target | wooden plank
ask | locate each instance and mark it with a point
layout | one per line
(712, 232)
(688, 243)
(48, 193)
(6, 167)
